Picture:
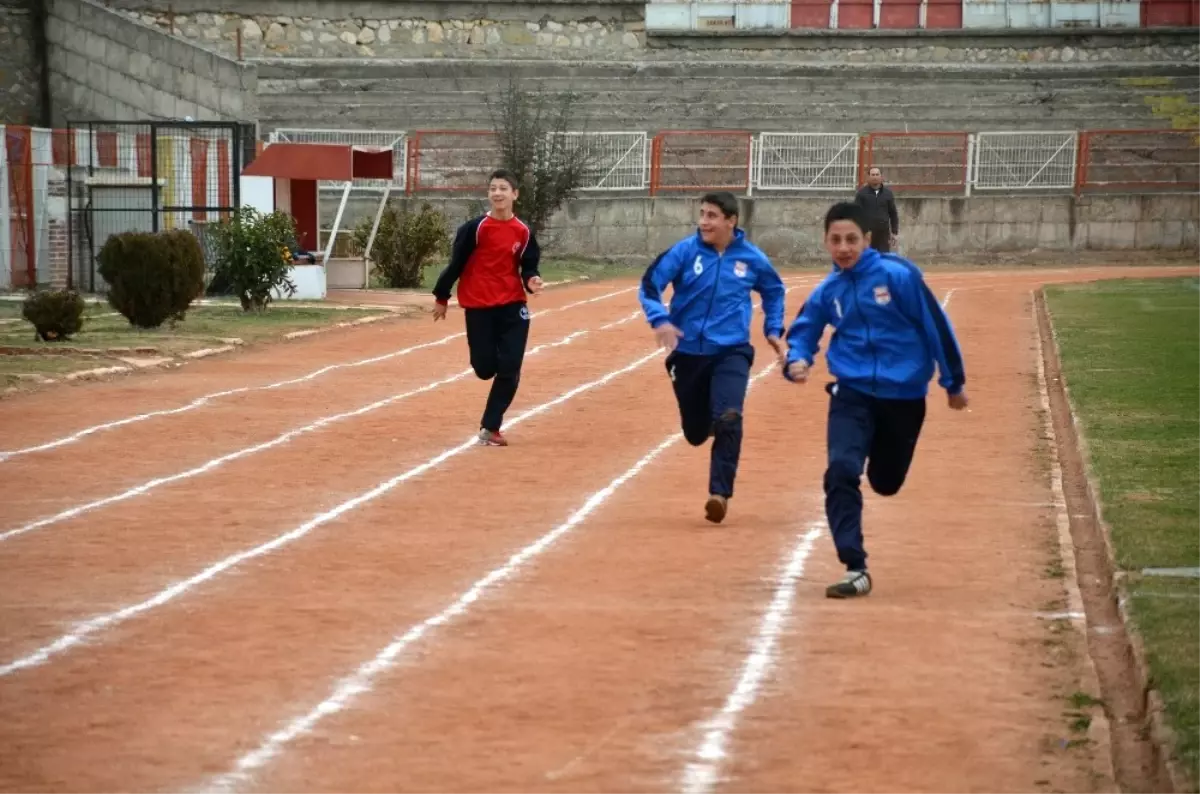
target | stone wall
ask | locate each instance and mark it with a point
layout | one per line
(106, 66)
(20, 71)
(790, 229)
(550, 29)
(392, 36)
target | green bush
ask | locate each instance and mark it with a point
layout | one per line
(404, 244)
(152, 278)
(252, 253)
(55, 314)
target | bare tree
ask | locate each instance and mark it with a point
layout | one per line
(536, 144)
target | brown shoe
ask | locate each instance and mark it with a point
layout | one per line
(715, 508)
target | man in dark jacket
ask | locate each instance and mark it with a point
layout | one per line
(877, 199)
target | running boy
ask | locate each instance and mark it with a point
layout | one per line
(889, 330)
(707, 332)
(495, 260)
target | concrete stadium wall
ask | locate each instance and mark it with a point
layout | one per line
(20, 71)
(105, 66)
(608, 30)
(790, 229)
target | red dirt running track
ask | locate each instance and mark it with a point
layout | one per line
(370, 604)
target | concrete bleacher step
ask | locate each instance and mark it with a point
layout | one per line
(490, 69)
(632, 94)
(450, 94)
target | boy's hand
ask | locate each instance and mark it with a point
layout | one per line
(536, 284)
(439, 311)
(798, 371)
(780, 348)
(958, 401)
(667, 336)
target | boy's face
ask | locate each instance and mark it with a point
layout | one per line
(845, 243)
(715, 228)
(501, 194)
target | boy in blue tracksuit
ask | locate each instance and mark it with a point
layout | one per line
(889, 330)
(707, 332)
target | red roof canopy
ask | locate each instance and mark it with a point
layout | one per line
(333, 162)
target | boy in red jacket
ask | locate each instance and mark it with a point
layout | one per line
(495, 262)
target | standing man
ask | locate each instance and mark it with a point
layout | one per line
(495, 261)
(889, 332)
(877, 199)
(707, 332)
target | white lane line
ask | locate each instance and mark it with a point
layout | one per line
(207, 398)
(361, 680)
(110, 619)
(622, 321)
(701, 774)
(280, 440)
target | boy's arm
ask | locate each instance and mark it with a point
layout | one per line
(662, 272)
(804, 337)
(938, 332)
(460, 252)
(770, 286)
(531, 257)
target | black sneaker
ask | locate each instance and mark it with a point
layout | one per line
(715, 508)
(853, 585)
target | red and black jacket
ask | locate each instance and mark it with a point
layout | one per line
(492, 261)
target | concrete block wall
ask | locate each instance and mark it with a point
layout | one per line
(105, 66)
(20, 70)
(789, 229)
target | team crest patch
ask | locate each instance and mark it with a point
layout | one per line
(882, 296)
(739, 269)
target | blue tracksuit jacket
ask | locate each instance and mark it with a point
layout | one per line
(889, 330)
(711, 303)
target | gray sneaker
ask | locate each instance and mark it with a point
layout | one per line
(852, 585)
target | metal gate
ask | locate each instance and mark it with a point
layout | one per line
(1025, 160)
(806, 161)
(151, 177)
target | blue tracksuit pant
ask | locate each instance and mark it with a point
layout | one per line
(711, 392)
(864, 429)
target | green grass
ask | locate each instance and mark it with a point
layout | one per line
(1131, 357)
(203, 327)
(1168, 616)
(562, 269)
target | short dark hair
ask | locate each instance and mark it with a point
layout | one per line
(506, 175)
(723, 200)
(847, 211)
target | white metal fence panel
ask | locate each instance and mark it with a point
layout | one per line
(806, 161)
(1025, 160)
(616, 160)
(396, 140)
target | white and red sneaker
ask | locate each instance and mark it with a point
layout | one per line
(492, 438)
